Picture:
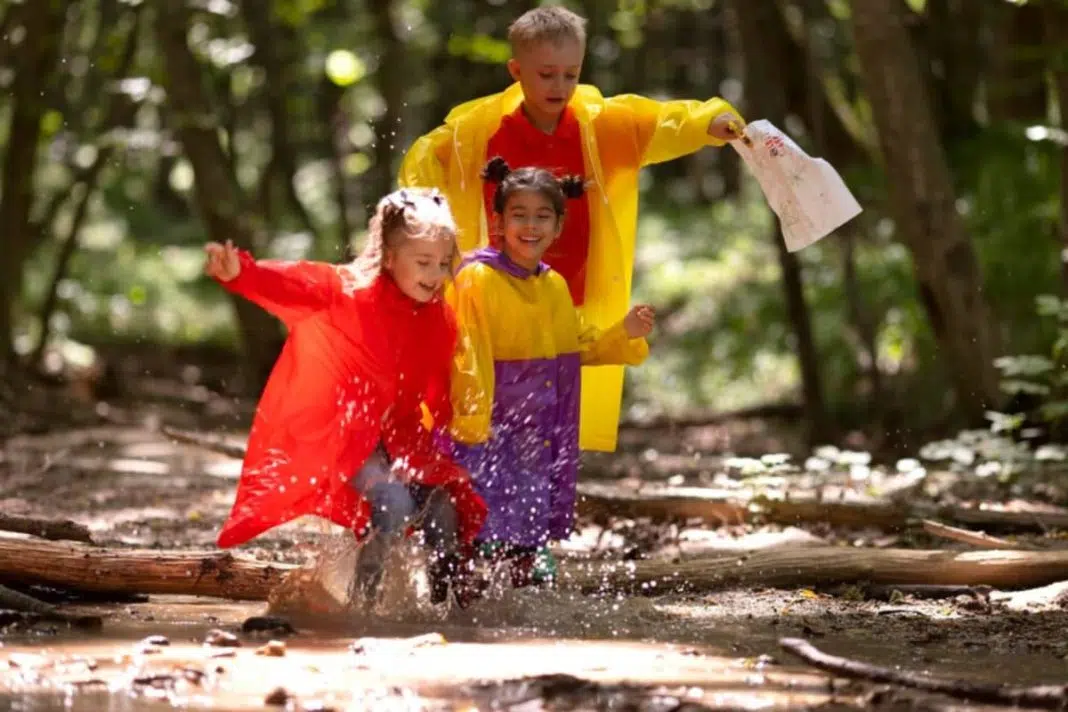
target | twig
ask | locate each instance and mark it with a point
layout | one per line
(52, 529)
(208, 442)
(1040, 696)
(968, 537)
(11, 599)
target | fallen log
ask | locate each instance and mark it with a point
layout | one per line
(820, 566)
(1052, 697)
(195, 573)
(601, 503)
(221, 574)
(54, 529)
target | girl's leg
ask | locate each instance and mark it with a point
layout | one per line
(392, 508)
(448, 565)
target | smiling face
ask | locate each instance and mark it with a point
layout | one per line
(548, 72)
(420, 266)
(529, 225)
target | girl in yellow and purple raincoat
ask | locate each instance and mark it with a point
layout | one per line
(516, 384)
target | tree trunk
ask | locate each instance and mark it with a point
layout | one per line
(122, 111)
(805, 64)
(830, 138)
(273, 57)
(217, 195)
(764, 52)
(924, 204)
(335, 126)
(954, 43)
(1016, 85)
(34, 64)
(389, 80)
(1057, 44)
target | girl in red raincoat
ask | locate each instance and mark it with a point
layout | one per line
(369, 343)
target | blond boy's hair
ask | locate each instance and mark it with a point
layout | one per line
(552, 24)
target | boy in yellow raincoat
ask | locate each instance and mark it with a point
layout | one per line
(548, 120)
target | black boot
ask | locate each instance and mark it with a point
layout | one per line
(455, 572)
(440, 572)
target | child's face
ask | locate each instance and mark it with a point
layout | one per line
(420, 266)
(529, 225)
(548, 73)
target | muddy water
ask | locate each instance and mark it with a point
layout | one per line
(109, 671)
(709, 647)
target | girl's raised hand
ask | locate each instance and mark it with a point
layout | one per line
(223, 262)
(639, 321)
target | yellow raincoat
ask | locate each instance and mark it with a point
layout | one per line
(620, 135)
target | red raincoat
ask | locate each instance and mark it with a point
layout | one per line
(354, 371)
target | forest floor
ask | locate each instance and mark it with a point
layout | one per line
(711, 645)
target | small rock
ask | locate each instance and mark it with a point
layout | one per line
(277, 696)
(227, 653)
(273, 649)
(221, 639)
(157, 640)
(274, 625)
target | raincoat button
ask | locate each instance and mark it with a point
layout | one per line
(547, 443)
(548, 384)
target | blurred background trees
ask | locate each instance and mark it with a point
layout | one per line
(135, 131)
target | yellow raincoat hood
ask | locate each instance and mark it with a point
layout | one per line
(620, 135)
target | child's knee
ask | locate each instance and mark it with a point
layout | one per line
(392, 506)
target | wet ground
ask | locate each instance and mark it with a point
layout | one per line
(134, 487)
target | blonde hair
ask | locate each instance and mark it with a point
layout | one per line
(552, 24)
(406, 214)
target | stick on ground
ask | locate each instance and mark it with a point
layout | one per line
(1040, 696)
(211, 443)
(968, 537)
(53, 529)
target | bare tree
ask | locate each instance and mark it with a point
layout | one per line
(218, 197)
(924, 204)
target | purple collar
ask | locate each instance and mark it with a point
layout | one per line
(495, 258)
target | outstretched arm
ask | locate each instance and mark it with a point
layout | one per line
(288, 290)
(669, 129)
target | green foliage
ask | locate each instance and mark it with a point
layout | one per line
(1042, 376)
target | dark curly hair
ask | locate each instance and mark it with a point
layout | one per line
(509, 182)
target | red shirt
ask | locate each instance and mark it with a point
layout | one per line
(354, 371)
(521, 144)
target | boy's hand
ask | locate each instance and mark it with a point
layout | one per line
(726, 127)
(639, 321)
(223, 262)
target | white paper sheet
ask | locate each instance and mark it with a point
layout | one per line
(807, 194)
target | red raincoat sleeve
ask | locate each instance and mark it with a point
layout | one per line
(290, 291)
